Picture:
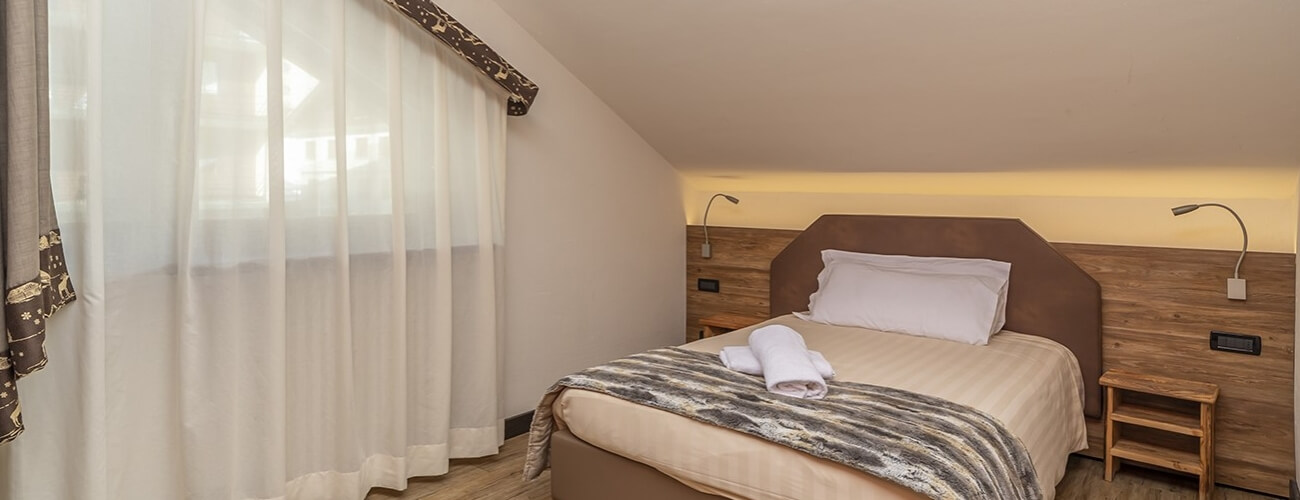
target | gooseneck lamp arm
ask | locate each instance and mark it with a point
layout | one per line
(1245, 238)
(706, 251)
(1236, 285)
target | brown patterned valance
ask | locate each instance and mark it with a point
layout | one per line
(450, 32)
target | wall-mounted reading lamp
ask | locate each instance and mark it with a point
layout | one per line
(1236, 285)
(705, 250)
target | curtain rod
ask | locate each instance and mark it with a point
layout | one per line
(473, 49)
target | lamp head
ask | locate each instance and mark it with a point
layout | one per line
(732, 199)
(1185, 209)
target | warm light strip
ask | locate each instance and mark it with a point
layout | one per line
(1094, 206)
(1205, 182)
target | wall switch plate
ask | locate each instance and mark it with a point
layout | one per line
(708, 285)
(1236, 289)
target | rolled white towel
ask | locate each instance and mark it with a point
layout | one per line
(787, 368)
(741, 358)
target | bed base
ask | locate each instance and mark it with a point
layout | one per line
(580, 471)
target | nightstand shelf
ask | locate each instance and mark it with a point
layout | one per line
(1169, 458)
(1155, 418)
(1199, 426)
(719, 324)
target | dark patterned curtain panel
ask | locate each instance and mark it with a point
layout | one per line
(445, 28)
(36, 281)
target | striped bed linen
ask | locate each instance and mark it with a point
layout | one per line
(1031, 384)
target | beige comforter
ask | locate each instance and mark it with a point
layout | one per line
(1031, 384)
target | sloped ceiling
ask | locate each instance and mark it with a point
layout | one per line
(939, 85)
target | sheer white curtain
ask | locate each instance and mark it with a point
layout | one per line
(285, 221)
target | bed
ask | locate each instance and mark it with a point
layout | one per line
(1038, 377)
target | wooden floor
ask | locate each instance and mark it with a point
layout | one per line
(501, 477)
(496, 477)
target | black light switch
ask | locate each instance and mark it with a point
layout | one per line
(1235, 342)
(708, 285)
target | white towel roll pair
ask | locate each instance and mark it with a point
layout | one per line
(787, 365)
(742, 359)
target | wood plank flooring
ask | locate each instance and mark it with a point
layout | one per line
(501, 477)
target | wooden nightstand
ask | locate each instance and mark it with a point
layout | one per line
(719, 324)
(1200, 426)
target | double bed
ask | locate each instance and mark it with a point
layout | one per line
(1038, 376)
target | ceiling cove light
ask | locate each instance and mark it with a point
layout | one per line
(1236, 285)
(705, 250)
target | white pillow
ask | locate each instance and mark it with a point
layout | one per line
(995, 270)
(959, 308)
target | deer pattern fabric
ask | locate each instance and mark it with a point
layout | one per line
(473, 49)
(26, 309)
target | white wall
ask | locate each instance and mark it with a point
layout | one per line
(595, 266)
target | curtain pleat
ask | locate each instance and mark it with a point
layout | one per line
(286, 265)
(398, 423)
(273, 463)
(443, 278)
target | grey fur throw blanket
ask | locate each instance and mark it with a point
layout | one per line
(935, 447)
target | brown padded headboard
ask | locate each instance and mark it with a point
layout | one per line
(1048, 296)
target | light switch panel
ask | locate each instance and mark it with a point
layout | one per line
(1236, 342)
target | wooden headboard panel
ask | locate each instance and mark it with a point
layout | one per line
(1048, 296)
